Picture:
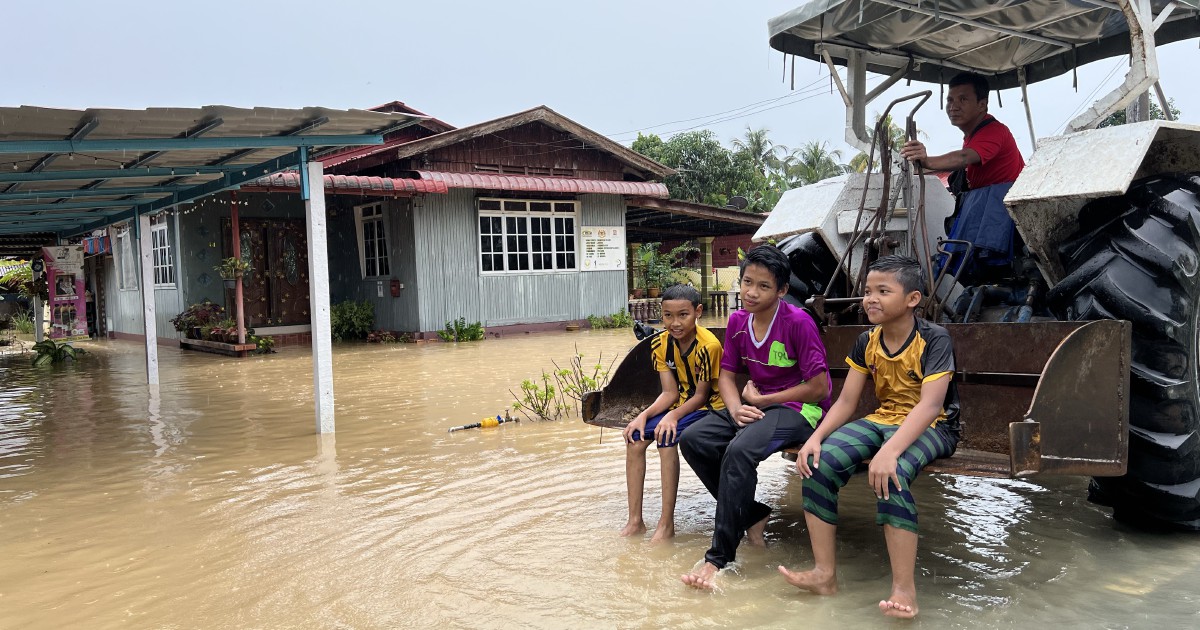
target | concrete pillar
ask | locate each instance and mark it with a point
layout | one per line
(706, 265)
(146, 288)
(312, 180)
(236, 239)
(39, 319)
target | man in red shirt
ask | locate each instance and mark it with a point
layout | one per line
(992, 163)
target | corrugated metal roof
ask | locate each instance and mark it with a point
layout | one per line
(341, 157)
(153, 158)
(350, 185)
(527, 183)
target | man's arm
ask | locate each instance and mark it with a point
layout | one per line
(914, 151)
(883, 464)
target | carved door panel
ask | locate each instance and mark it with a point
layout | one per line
(287, 244)
(275, 289)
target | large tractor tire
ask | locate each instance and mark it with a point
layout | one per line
(1137, 258)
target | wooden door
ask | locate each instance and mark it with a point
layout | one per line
(275, 289)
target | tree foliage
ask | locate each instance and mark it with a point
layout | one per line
(1156, 113)
(755, 168)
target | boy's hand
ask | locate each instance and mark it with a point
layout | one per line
(882, 470)
(747, 414)
(750, 394)
(665, 433)
(637, 424)
(811, 448)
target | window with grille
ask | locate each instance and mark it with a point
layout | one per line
(372, 241)
(160, 241)
(526, 235)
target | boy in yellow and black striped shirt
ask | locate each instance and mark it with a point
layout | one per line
(687, 358)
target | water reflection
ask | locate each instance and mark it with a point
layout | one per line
(211, 503)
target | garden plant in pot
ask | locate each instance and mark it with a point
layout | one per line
(196, 317)
(657, 268)
(231, 269)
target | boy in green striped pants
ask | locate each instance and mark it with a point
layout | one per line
(911, 362)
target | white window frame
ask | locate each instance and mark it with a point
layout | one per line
(125, 253)
(374, 214)
(163, 261)
(505, 213)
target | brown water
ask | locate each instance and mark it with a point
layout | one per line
(210, 503)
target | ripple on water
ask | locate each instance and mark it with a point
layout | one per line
(210, 502)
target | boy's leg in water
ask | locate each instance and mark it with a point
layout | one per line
(668, 465)
(898, 515)
(902, 551)
(635, 483)
(703, 446)
(842, 453)
(738, 513)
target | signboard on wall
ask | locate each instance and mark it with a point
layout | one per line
(68, 306)
(603, 248)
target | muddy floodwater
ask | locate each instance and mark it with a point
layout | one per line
(211, 503)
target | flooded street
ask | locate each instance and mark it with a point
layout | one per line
(211, 503)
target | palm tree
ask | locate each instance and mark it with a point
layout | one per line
(763, 153)
(898, 137)
(812, 163)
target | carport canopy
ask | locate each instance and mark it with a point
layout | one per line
(67, 172)
(648, 219)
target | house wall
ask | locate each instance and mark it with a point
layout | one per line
(345, 273)
(123, 309)
(450, 284)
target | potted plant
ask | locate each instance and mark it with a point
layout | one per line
(231, 269)
(197, 316)
(658, 269)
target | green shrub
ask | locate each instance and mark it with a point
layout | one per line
(22, 322)
(351, 320)
(620, 319)
(460, 330)
(49, 351)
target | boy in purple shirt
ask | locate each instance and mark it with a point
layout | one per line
(779, 347)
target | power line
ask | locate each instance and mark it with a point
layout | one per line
(1087, 99)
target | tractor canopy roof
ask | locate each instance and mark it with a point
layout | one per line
(994, 38)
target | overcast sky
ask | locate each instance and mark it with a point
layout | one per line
(616, 66)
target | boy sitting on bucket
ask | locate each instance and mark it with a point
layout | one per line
(912, 364)
(687, 358)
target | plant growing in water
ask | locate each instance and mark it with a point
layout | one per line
(50, 351)
(351, 320)
(460, 330)
(22, 322)
(546, 398)
(620, 319)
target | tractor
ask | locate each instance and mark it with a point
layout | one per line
(1081, 356)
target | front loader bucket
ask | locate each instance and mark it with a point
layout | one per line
(1047, 397)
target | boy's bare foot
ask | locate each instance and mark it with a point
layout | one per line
(756, 535)
(900, 604)
(816, 581)
(633, 528)
(663, 533)
(703, 577)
